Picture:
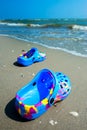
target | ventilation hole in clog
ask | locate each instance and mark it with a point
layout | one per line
(65, 84)
(33, 58)
(68, 90)
(58, 74)
(52, 100)
(64, 93)
(61, 86)
(66, 80)
(34, 83)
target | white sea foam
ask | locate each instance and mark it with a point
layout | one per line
(12, 24)
(70, 52)
(38, 25)
(35, 25)
(79, 27)
(65, 50)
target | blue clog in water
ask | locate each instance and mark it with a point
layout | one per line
(30, 57)
(64, 86)
(37, 96)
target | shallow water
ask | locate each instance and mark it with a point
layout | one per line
(69, 35)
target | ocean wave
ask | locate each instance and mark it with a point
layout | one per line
(79, 27)
(48, 25)
(12, 24)
(45, 25)
(35, 25)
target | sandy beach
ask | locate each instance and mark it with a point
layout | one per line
(13, 77)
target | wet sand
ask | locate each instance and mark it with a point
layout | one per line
(13, 77)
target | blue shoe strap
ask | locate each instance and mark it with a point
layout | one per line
(53, 96)
(55, 90)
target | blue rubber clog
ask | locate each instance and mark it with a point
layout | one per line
(30, 57)
(41, 93)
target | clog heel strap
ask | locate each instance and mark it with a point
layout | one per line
(54, 89)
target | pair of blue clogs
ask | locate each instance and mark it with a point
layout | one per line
(41, 93)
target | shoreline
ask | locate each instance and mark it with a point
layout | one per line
(46, 46)
(13, 77)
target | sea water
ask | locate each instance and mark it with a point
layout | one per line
(69, 35)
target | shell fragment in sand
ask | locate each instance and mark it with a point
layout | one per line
(52, 122)
(74, 113)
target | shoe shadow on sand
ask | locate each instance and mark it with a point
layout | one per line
(11, 112)
(18, 65)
